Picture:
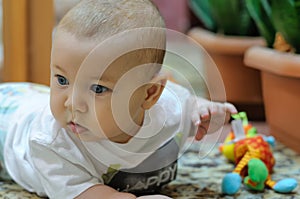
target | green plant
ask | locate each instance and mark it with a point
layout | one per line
(223, 16)
(260, 11)
(286, 19)
(282, 16)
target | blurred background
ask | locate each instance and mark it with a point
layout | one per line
(26, 27)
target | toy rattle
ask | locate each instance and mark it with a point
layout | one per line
(253, 158)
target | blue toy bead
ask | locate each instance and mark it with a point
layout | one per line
(231, 183)
(270, 140)
(286, 185)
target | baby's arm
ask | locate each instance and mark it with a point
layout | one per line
(210, 116)
(103, 191)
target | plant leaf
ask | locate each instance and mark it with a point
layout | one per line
(226, 14)
(223, 16)
(246, 23)
(260, 12)
(285, 14)
(201, 9)
(232, 17)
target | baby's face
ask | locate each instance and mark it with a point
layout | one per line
(92, 97)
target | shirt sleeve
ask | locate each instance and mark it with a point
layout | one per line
(59, 176)
(185, 98)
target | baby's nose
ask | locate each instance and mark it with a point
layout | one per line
(76, 103)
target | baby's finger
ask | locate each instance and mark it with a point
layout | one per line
(204, 113)
(201, 132)
(195, 118)
(214, 108)
(200, 115)
(230, 108)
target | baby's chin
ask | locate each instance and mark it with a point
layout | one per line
(89, 137)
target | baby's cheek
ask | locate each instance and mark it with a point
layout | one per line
(103, 116)
(58, 110)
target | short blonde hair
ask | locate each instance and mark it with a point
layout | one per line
(100, 19)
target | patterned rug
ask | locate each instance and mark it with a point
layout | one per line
(201, 178)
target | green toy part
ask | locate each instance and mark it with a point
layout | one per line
(260, 186)
(242, 116)
(258, 174)
(252, 132)
(257, 170)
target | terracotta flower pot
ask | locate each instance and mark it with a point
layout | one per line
(281, 91)
(242, 84)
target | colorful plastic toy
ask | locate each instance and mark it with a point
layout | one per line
(253, 158)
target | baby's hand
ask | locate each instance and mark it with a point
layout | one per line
(154, 197)
(210, 116)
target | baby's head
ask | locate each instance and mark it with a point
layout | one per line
(105, 64)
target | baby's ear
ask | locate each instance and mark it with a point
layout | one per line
(154, 90)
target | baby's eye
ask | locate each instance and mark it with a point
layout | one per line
(98, 88)
(62, 80)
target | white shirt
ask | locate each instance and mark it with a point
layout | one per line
(44, 158)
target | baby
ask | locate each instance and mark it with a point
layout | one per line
(114, 124)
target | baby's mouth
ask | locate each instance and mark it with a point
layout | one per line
(76, 128)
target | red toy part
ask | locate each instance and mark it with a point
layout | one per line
(258, 148)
